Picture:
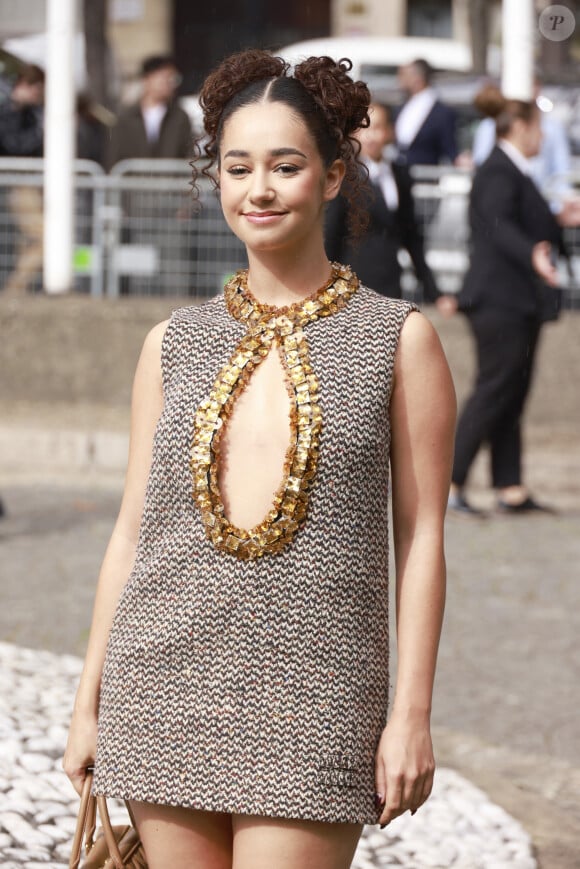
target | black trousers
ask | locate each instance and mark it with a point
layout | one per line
(506, 347)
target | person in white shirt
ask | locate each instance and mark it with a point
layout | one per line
(425, 127)
(155, 126)
(509, 291)
(392, 224)
(548, 168)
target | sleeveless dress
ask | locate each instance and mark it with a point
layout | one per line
(247, 672)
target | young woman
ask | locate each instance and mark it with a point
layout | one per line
(506, 296)
(237, 668)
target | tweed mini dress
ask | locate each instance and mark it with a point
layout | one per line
(247, 671)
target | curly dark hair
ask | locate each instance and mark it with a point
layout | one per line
(320, 91)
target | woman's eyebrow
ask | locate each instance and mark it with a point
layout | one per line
(277, 152)
(285, 152)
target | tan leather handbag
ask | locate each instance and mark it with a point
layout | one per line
(116, 847)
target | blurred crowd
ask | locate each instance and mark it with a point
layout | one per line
(153, 127)
(519, 152)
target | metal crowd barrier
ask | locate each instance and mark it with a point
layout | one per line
(139, 231)
(441, 195)
(21, 224)
(163, 242)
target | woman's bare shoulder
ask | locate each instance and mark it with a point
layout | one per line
(152, 345)
(420, 362)
(418, 335)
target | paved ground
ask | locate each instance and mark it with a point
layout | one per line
(458, 828)
(506, 706)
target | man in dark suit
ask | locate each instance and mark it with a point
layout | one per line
(392, 224)
(425, 127)
(506, 296)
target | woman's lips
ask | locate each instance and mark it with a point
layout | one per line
(263, 217)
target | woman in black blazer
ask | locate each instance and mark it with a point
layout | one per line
(507, 289)
(392, 224)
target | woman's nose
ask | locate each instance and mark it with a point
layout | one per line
(261, 187)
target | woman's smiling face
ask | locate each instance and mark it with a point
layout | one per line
(272, 179)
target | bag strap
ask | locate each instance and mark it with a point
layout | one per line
(114, 852)
(86, 824)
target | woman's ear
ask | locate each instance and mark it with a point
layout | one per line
(334, 178)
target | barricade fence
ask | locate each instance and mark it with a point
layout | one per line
(139, 231)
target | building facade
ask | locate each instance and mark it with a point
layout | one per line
(200, 34)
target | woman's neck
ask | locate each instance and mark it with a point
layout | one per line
(278, 280)
(515, 143)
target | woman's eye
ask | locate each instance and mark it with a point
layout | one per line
(237, 170)
(287, 169)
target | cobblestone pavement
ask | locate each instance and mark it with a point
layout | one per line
(459, 827)
(505, 714)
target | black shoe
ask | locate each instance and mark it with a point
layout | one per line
(528, 505)
(460, 507)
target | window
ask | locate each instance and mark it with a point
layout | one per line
(429, 18)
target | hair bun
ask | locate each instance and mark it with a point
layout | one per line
(490, 101)
(234, 74)
(343, 101)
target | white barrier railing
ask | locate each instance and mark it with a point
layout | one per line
(139, 231)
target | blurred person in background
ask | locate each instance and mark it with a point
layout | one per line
(391, 218)
(22, 135)
(155, 126)
(93, 126)
(507, 294)
(548, 168)
(425, 127)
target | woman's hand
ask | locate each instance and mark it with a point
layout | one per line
(404, 767)
(80, 748)
(446, 305)
(569, 214)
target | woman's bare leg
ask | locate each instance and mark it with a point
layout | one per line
(279, 843)
(184, 838)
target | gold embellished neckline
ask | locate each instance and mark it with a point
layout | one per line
(327, 299)
(267, 327)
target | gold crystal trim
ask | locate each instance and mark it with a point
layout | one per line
(266, 325)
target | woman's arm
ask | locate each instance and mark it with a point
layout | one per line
(146, 408)
(423, 412)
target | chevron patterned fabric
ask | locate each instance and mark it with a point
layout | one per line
(260, 686)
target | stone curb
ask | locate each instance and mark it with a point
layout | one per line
(55, 450)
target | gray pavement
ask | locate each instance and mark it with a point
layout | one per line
(458, 828)
(506, 703)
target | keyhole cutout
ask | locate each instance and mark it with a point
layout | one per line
(255, 444)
